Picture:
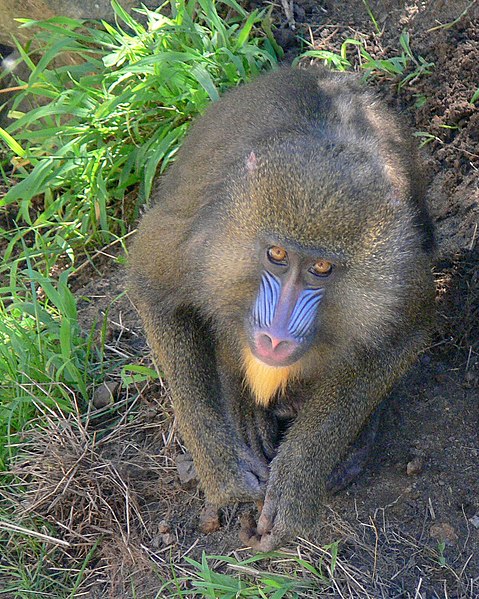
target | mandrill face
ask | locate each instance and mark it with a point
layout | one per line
(284, 315)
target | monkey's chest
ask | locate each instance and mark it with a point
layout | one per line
(288, 404)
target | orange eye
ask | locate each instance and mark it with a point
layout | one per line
(277, 254)
(322, 268)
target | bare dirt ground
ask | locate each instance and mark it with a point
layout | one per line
(409, 527)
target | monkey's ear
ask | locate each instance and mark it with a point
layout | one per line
(251, 162)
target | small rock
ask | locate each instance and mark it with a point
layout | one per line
(168, 538)
(105, 394)
(186, 469)
(414, 467)
(156, 542)
(159, 541)
(209, 519)
(475, 521)
(165, 535)
(442, 531)
(470, 380)
(164, 526)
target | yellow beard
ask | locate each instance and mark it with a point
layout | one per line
(266, 381)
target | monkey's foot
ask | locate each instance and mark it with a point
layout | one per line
(359, 454)
(261, 536)
(209, 519)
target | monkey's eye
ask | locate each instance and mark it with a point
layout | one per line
(321, 268)
(277, 255)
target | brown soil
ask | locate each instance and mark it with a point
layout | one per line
(422, 486)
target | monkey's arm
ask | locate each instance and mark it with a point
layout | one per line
(329, 421)
(227, 468)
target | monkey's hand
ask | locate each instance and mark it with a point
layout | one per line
(238, 474)
(290, 509)
(273, 529)
(263, 535)
(254, 474)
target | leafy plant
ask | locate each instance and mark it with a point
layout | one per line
(44, 358)
(207, 582)
(441, 548)
(338, 62)
(111, 107)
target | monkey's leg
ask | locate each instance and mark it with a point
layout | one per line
(260, 431)
(359, 454)
(258, 426)
(227, 469)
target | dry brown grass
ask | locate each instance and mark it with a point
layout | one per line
(106, 482)
(93, 478)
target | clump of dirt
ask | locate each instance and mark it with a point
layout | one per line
(448, 120)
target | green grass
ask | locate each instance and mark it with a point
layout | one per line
(372, 17)
(475, 96)
(213, 577)
(43, 356)
(110, 121)
(26, 561)
(252, 579)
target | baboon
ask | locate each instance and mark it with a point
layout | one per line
(283, 279)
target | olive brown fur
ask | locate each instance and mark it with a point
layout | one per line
(283, 278)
